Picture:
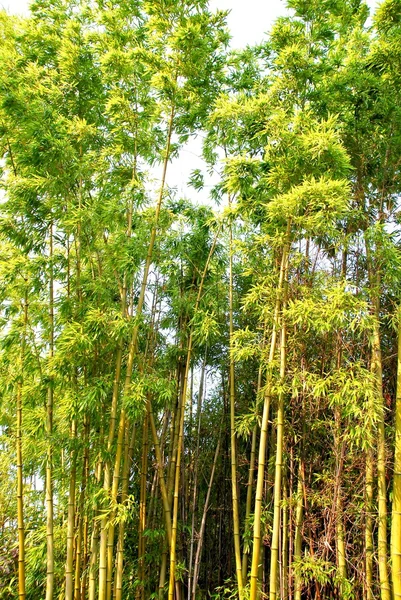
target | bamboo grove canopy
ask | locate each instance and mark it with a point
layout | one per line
(201, 390)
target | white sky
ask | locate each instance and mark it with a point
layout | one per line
(247, 21)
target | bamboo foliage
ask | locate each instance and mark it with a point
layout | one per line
(199, 395)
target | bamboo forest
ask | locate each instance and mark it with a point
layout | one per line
(200, 381)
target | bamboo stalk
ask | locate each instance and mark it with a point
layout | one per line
(396, 507)
(79, 547)
(195, 483)
(251, 474)
(274, 560)
(129, 449)
(173, 558)
(264, 428)
(376, 365)
(106, 535)
(94, 547)
(203, 522)
(369, 524)
(159, 466)
(298, 533)
(142, 509)
(234, 467)
(69, 566)
(20, 474)
(49, 434)
(284, 549)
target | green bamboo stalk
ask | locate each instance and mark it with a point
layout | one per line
(49, 434)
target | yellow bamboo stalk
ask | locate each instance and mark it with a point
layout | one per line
(396, 507)
(129, 448)
(369, 524)
(284, 549)
(80, 540)
(274, 557)
(173, 544)
(298, 533)
(142, 509)
(20, 474)
(108, 532)
(375, 282)
(248, 506)
(195, 479)
(264, 428)
(159, 466)
(69, 566)
(234, 482)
